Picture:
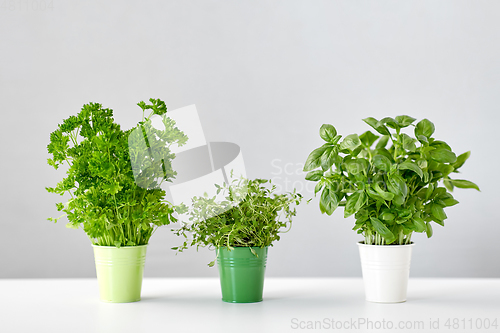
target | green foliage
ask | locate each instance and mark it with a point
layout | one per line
(251, 215)
(392, 192)
(105, 198)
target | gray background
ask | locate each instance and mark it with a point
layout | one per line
(264, 75)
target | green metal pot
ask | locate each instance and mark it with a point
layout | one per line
(242, 273)
(119, 272)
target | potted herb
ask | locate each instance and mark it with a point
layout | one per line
(117, 214)
(391, 184)
(240, 228)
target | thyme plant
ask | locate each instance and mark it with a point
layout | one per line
(251, 215)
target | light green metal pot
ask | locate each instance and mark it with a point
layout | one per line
(242, 273)
(119, 272)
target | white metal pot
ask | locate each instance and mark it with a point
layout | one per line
(386, 269)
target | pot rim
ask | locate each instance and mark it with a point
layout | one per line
(240, 247)
(121, 247)
(362, 243)
(243, 247)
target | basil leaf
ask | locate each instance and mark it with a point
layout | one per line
(382, 142)
(385, 195)
(314, 159)
(381, 162)
(368, 138)
(428, 229)
(443, 155)
(314, 175)
(408, 143)
(404, 121)
(425, 128)
(374, 124)
(328, 158)
(419, 224)
(328, 201)
(350, 142)
(461, 183)
(327, 132)
(438, 212)
(461, 160)
(389, 122)
(380, 227)
(408, 165)
(354, 203)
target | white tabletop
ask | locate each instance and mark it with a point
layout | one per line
(290, 305)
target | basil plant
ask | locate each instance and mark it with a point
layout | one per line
(394, 184)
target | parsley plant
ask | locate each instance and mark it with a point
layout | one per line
(106, 200)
